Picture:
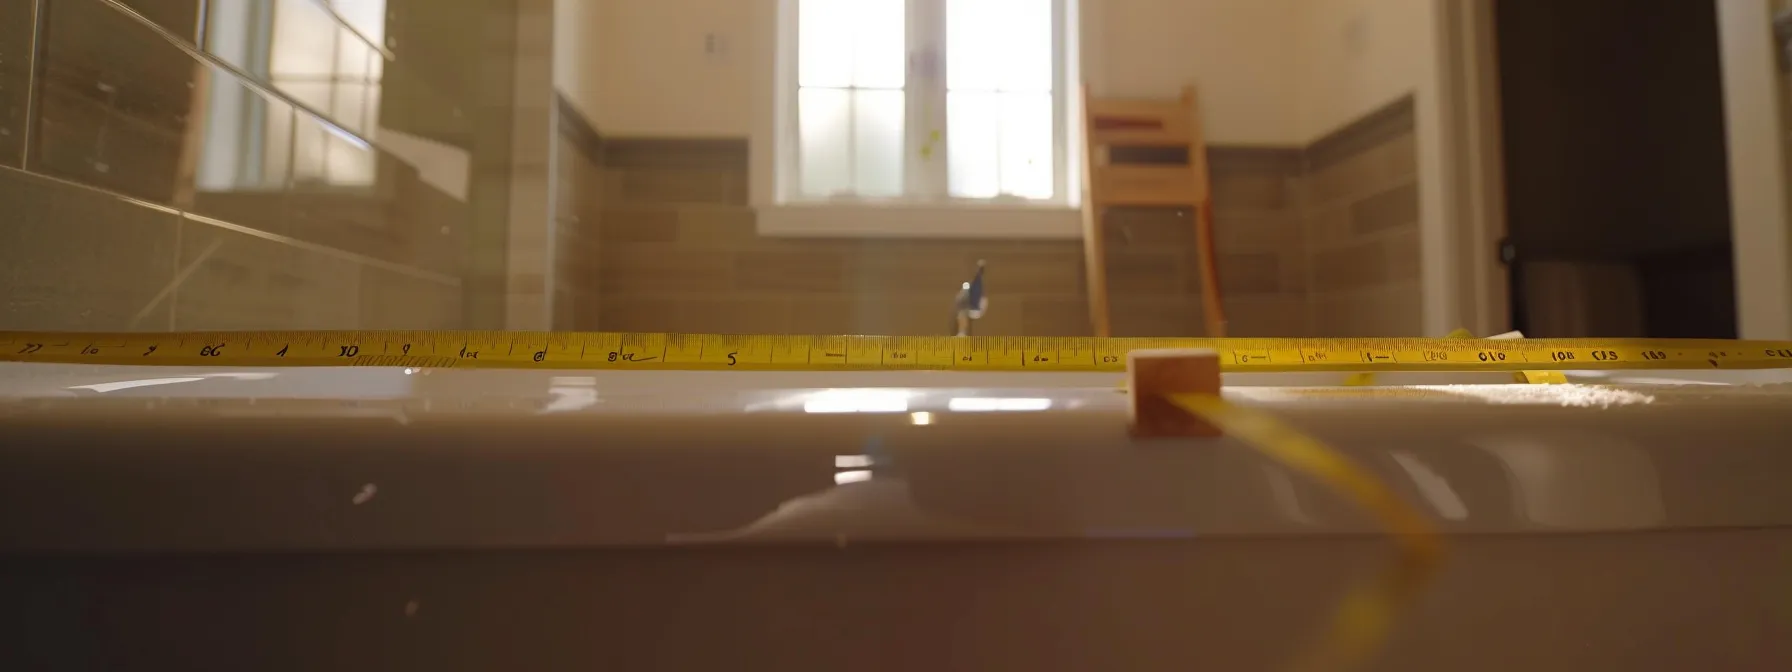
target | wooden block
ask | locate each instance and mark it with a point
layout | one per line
(1151, 374)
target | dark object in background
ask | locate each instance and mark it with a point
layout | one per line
(1616, 167)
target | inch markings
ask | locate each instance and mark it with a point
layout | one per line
(661, 351)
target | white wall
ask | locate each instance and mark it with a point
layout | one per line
(578, 39)
(658, 79)
(1242, 54)
(1358, 55)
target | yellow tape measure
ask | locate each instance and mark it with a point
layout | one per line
(1363, 618)
(658, 351)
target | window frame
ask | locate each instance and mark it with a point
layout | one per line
(926, 182)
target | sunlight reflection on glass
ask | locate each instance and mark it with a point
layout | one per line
(857, 401)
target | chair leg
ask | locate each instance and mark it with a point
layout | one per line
(1095, 265)
(1213, 312)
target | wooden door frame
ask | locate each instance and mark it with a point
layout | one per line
(1755, 119)
(1473, 171)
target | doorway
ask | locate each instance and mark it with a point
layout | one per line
(1616, 169)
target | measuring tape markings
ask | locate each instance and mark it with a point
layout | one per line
(662, 351)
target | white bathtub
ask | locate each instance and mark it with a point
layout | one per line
(374, 518)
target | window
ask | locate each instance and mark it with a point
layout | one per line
(928, 101)
(335, 72)
(299, 48)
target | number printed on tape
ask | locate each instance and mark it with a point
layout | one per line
(657, 351)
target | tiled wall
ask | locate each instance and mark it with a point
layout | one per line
(578, 165)
(1320, 240)
(115, 110)
(680, 253)
(75, 258)
(1360, 216)
(112, 99)
(16, 27)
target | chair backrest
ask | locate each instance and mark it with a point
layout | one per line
(1111, 123)
(1146, 123)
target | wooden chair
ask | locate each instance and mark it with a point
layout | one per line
(1120, 123)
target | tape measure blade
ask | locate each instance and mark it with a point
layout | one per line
(666, 351)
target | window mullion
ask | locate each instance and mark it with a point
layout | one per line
(915, 107)
(927, 88)
(1062, 89)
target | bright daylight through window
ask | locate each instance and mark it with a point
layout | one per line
(929, 100)
(301, 49)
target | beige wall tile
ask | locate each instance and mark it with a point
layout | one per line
(72, 260)
(528, 311)
(1147, 272)
(979, 249)
(1254, 231)
(537, 263)
(929, 268)
(1355, 266)
(640, 224)
(1363, 173)
(1386, 311)
(716, 226)
(1326, 227)
(914, 316)
(233, 293)
(566, 177)
(723, 314)
(585, 187)
(1247, 273)
(1267, 316)
(266, 211)
(390, 300)
(1296, 272)
(1003, 318)
(664, 268)
(706, 153)
(85, 138)
(798, 272)
(1055, 316)
(431, 227)
(1399, 157)
(1336, 183)
(635, 313)
(528, 283)
(1037, 271)
(1402, 250)
(1392, 208)
(826, 316)
(677, 185)
(734, 316)
(239, 281)
(566, 310)
(1155, 316)
(578, 227)
(1250, 191)
(1148, 228)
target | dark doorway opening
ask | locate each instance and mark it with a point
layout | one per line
(1616, 170)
